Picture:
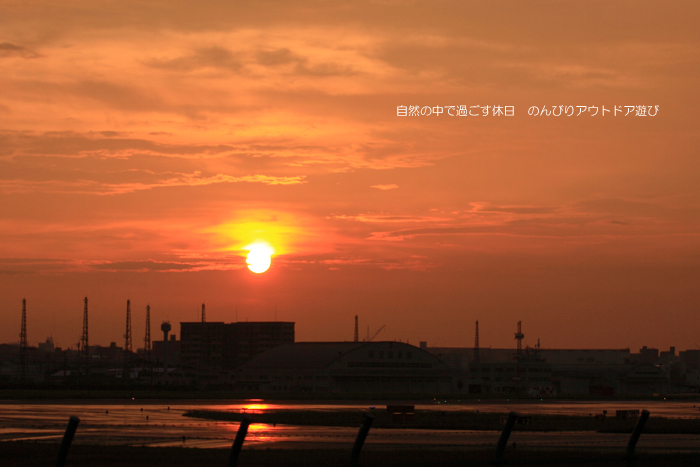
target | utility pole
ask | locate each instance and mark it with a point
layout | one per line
(204, 314)
(476, 343)
(357, 331)
(147, 343)
(127, 343)
(23, 342)
(84, 340)
(519, 336)
(147, 338)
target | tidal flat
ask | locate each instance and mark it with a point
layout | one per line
(453, 420)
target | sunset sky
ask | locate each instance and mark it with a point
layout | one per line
(144, 145)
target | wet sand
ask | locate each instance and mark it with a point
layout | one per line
(28, 454)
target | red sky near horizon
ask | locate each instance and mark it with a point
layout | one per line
(143, 145)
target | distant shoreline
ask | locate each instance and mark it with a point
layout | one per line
(191, 394)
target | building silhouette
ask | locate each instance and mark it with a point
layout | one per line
(347, 368)
(211, 352)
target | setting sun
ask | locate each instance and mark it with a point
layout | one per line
(259, 257)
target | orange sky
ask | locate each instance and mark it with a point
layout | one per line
(144, 144)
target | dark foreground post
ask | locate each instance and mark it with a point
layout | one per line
(67, 440)
(360, 440)
(503, 440)
(238, 442)
(635, 437)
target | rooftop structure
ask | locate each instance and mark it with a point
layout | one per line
(347, 367)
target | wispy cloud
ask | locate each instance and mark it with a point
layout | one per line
(385, 187)
(206, 57)
(99, 188)
(11, 50)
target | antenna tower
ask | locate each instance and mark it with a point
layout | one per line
(204, 314)
(519, 336)
(23, 342)
(476, 343)
(84, 340)
(357, 331)
(127, 342)
(147, 338)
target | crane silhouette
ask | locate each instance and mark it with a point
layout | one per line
(370, 339)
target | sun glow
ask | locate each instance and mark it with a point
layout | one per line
(254, 408)
(259, 235)
(259, 257)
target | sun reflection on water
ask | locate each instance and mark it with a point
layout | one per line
(254, 408)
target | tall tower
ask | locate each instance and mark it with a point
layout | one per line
(23, 342)
(204, 314)
(147, 338)
(476, 343)
(127, 342)
(84, 340)
(357, 331)
(519, 336)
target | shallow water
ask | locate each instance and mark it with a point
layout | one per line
(160, 423)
